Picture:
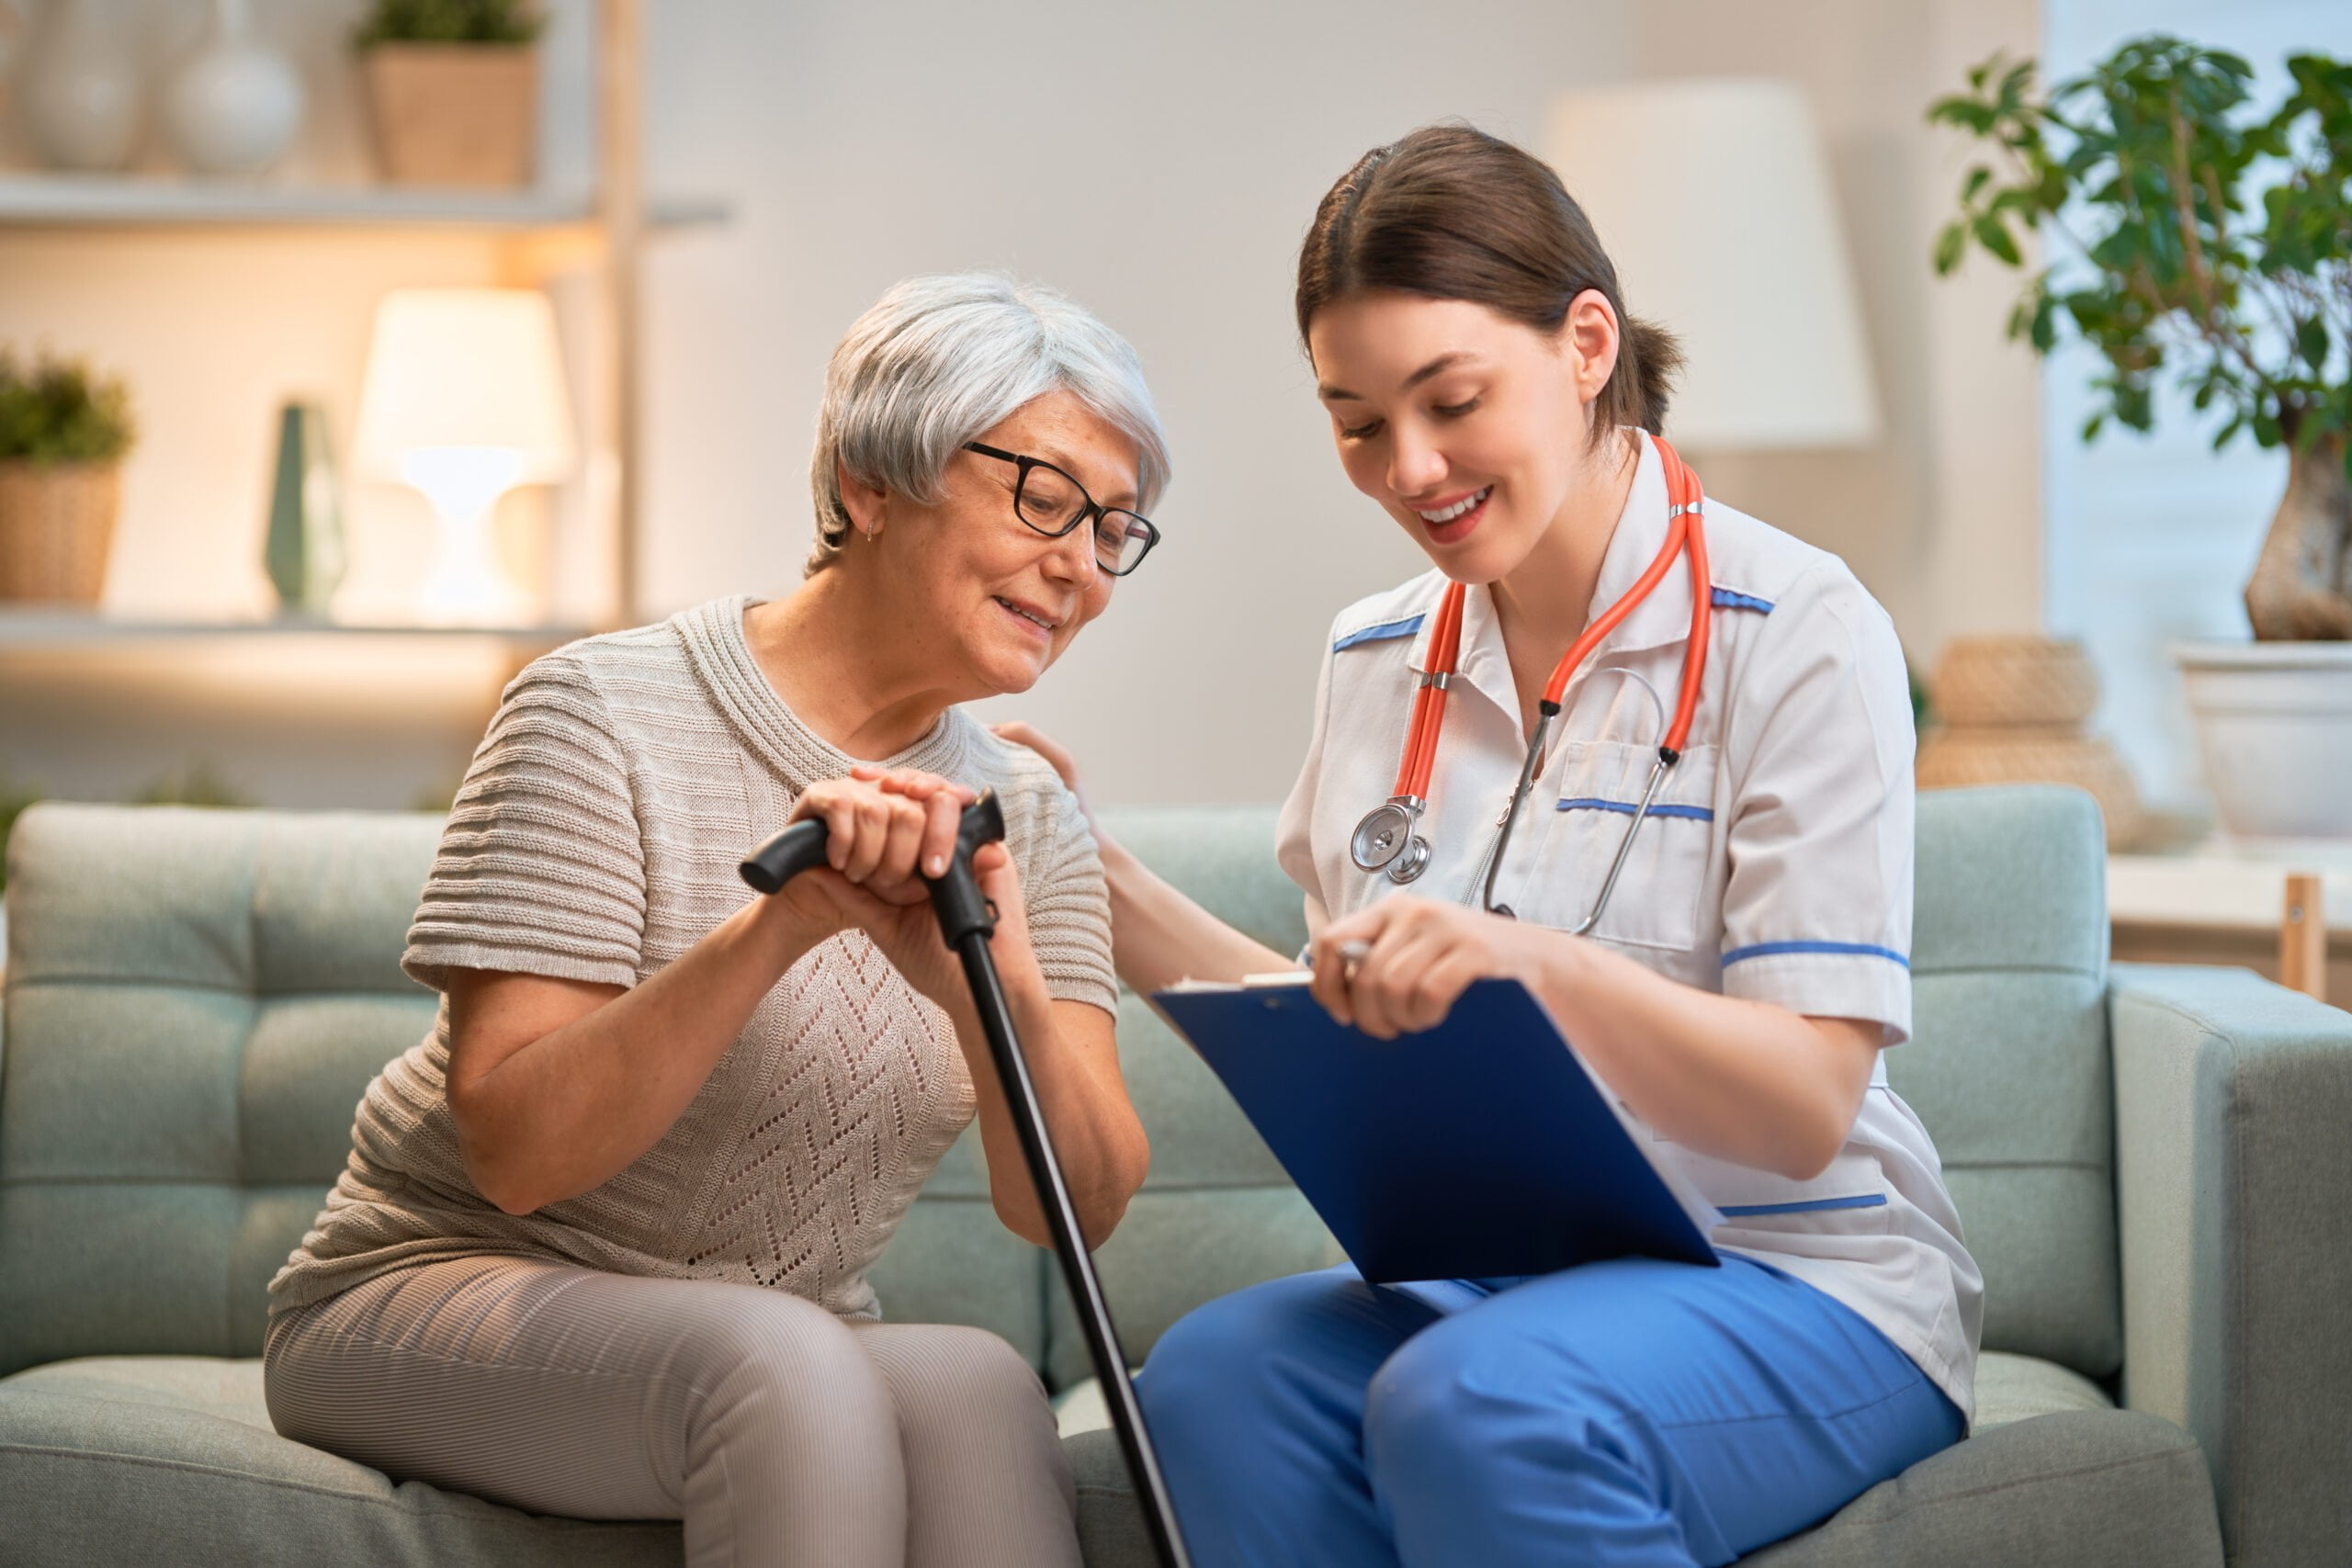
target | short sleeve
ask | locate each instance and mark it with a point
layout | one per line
(541, 869)
(1293, 830)
(1818, 896)
(1069, 906)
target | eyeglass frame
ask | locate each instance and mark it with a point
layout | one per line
(1091, 511)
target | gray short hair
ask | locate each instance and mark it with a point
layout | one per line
(938, 360)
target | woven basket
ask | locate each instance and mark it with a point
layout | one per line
(2014, 680)
(56, 525)
(1959, 755)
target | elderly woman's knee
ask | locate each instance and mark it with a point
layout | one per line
(953, 1366)
(742, 1345)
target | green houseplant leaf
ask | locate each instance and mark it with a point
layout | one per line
(449, 21)
(56, 410)
(2191, 239)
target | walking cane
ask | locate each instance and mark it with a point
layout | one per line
(965, 920)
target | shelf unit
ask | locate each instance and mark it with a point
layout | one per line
(542, 231)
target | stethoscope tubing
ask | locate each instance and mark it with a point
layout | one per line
(1388, 838)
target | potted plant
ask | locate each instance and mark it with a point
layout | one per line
(453, 89)
(63, 435)
(2199, 241)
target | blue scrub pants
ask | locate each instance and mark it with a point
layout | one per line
(1622, 1413)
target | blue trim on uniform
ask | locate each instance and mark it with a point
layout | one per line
(1725, 599)
(1380, 633)
(1814, 1205)
(1593, 803)
(1771, 949)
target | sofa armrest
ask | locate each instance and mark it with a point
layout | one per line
(2233, 1178)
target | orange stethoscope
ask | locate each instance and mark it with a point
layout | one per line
(1389, 838)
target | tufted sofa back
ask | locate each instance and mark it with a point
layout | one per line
(196, 1000)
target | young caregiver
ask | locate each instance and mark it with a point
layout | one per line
(1734, 981)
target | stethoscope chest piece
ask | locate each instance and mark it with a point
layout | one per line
(1383, 834)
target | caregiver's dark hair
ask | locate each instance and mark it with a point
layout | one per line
(1453, 213)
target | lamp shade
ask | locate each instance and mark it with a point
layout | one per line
(1712, 198)
(464, 369)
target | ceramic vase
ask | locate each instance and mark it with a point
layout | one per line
(235, 105)
(79, 86)
(304, 551)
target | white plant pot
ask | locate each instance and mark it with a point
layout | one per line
(2274, 726)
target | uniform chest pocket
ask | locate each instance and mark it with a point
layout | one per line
(1591, 801)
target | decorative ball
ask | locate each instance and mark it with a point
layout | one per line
(233, 109)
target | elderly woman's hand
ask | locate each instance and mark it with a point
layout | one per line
(887, 830)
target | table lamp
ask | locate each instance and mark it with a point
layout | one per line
(463, 401)
(1712, 198)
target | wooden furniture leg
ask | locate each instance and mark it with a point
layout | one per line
(2302, 937)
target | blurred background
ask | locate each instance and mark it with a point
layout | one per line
(207, 204)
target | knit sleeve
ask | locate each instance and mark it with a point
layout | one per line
(1069, 906)
(541, 869)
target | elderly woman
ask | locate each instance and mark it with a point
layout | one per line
(601, 1246)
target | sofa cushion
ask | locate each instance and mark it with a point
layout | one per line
(2009, 1066)
(157, 1458)
(2088, 1487)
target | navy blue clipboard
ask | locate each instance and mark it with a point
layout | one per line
(1477, 1149)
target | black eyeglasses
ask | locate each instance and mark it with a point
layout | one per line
(1052, 503)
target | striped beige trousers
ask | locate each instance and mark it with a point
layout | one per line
(779, 1433)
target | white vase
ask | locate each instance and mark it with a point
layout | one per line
(2274, 726)
(79, 86)
(235, 105)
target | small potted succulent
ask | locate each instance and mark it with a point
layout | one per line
(63, 433)
(453, 90)
(2195, 239)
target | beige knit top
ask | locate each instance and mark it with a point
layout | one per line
(596, 838)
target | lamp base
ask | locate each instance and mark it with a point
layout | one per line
(465, 586)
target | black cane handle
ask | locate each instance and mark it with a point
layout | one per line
(801, 847)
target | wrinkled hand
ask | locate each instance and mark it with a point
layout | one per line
(905, 928)
(1422, 954)
(882, 838)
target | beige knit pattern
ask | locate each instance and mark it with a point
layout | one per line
(596, 838)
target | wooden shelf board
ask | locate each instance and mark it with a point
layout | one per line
(63, 626)
(63, 200)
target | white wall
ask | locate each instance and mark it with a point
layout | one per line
(1172, 158)
(1940, 516)
(1157, 164)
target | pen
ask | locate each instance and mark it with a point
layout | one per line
(1350, 954)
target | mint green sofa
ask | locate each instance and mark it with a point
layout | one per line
(2154, 1167)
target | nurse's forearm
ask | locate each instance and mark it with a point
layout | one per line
(1736, 1079)
(1158, 936)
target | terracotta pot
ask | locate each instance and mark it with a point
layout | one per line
(455, 114)
(56, 525)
